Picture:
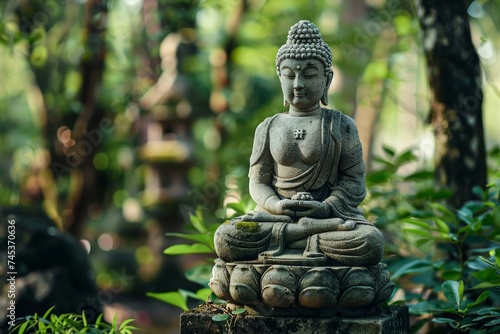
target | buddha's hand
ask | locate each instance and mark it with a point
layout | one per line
(286, 207)
(313, 209)
(303, 195)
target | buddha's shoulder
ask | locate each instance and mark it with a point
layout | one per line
(266, 123)
(346, 122)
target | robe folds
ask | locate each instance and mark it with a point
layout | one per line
(337, 179)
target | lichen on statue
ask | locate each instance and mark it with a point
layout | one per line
(307, 174)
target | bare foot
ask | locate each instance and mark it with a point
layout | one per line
(348, 225)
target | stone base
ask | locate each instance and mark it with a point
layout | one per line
(276, 289)
(391, 320)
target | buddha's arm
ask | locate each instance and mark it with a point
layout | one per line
(350, 188)
(261, 175)
(351, 180)
(263, 192)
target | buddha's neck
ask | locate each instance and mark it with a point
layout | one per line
(314, 111)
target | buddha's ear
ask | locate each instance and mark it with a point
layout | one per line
(329, 78)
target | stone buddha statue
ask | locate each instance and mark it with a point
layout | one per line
(307, 178)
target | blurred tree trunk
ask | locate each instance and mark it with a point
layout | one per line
(456, 104)
(354, 14)
(73, 137)
(90, 126)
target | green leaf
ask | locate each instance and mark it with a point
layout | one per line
(465, 215)
(493, 322)
(419, 176)
(405, 157)
(442, 225)
(216, 300)
(488, 310)
(46, 314)
(482, 297)
(428, 307)
(73, 323)
(239, 311)
(384, 162)
(378, 177)
(172, 298)
(389, 151)
(418, 232)
(416, 222)
(197, 221)
(23, 327)
(451, 290)
(98, 320)
(200, 274)
(125, 323)
(421, 242)
(444, 320)
(186, 293)
(188, 249)
(84, 319)
(485, 285)
(220, 317)
(448, 215)
(485, 260)
(412, 267)
(206, 239)
(487, 275)
(242, 207)
(203, 294)
(41, 326)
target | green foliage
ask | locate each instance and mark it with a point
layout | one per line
(179, 298)
(69, 323)
(442, 259)
(203, 235)
(227, 315)
(459, 312)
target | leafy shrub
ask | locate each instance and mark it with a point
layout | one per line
(442, 259)
(69, 323)
(203, 237)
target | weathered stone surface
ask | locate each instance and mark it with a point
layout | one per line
(275, 289)
(391, 320)
(306, 246)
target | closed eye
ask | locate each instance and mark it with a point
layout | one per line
(310, 73)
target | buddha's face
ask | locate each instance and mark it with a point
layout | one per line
(303, 82)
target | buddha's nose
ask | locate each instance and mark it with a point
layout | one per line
(298, 82)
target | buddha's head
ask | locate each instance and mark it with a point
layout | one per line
(304, 66)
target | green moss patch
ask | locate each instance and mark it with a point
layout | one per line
(251, 227)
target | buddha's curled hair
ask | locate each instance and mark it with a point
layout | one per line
(304, 42)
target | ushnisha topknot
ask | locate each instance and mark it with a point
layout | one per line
(304, 42)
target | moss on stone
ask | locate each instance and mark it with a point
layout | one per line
(251, 227)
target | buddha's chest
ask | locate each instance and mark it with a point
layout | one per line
(295, 140)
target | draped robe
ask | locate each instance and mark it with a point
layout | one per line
(337, 179)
